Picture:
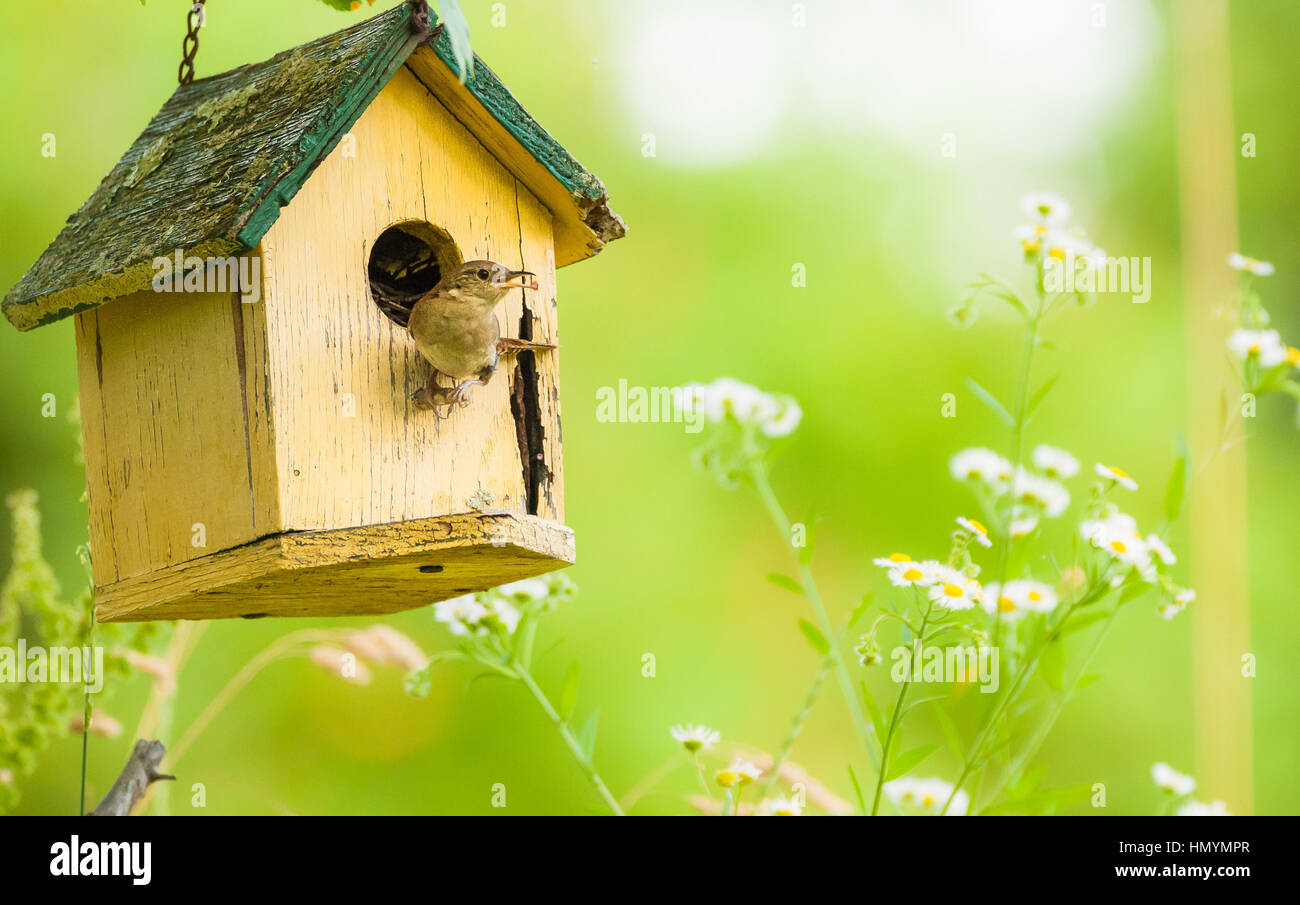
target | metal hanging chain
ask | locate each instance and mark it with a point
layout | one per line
(190, 46)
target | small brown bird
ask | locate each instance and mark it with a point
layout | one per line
(455, 328)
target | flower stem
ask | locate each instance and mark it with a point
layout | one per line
(809, 584)
(796, 725)
(1017, 453)
(895, 720)
(584, 762)
(1022, 676)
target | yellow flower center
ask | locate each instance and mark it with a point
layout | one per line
(952, 590)
(1292, 355)
(974, 474)
(726, 778)
(912, 575)
(1034, 596)
(1030, 247)
(899, 557)
(928, 801)
(978, 527)
(1006, 604)
(1044, 209)
(1120, 472)
(1057, 253)
(1118, 546)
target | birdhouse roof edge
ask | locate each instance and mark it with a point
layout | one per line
(106, 248)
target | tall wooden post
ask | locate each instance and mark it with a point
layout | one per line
(1217, 497)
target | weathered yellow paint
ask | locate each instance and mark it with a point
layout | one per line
(349, 572)
(286, 425)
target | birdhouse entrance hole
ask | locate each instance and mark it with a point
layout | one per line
(406, 261)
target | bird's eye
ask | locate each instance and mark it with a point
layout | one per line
(483, 274)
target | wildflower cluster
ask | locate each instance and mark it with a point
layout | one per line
(1179, 787)
(1266, 363)
(744, 422)
(496, 627)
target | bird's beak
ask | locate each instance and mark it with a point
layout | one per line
(518, 279)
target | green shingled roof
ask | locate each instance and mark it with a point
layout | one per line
(211, 171)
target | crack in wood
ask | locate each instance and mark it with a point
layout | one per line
(525, 406)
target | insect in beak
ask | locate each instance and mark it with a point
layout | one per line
(518, 279)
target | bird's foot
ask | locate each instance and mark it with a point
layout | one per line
(432, 397)
(459, 394)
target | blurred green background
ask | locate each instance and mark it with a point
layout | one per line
(775, 145)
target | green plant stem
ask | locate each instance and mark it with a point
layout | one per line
(1022, 676)
(895, 720)
(572, 743)
(809, 584)
(796, 725)
(1017, 451)
(1045, 726)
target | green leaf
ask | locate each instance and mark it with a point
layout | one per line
(877, 721)
(1053, 663)
(909, 761)
(1038, 397)
(458, 32)
(857, 789)
(991, 401)
(569, 696)
(587, 735)
(786, 583)
(1176, 487)
(861, 609)
(341, 5)
(998, 289)
(815, 637)
(1086, 680)
(930, 700)
(949, 730)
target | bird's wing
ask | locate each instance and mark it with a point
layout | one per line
(507, 345)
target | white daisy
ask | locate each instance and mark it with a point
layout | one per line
(1023, 527)
(1114, 474)
(695, 738)
(1172, 607)
(1161, 549)
(977, 530)
(1019, 598)
(1118, 537)
(1059, 245)
(892, 560)
(1195, 808)
(499, 614)
(1055, 463)
(780, 807)
(1031, 236)
(1048, 497)
(461, 614)
(1045, 207)
(928, 795)
(1266, 345)
(979, 464)
(740, 773)
(1259, 268)
(908, 574)
(1171, 781)
(728, 398)
(952, 590)
(527, 590)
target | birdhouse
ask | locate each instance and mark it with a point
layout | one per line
(252, 446)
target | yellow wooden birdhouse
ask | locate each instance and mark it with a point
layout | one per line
(252, 447)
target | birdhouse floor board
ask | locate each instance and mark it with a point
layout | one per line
(366, 571)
